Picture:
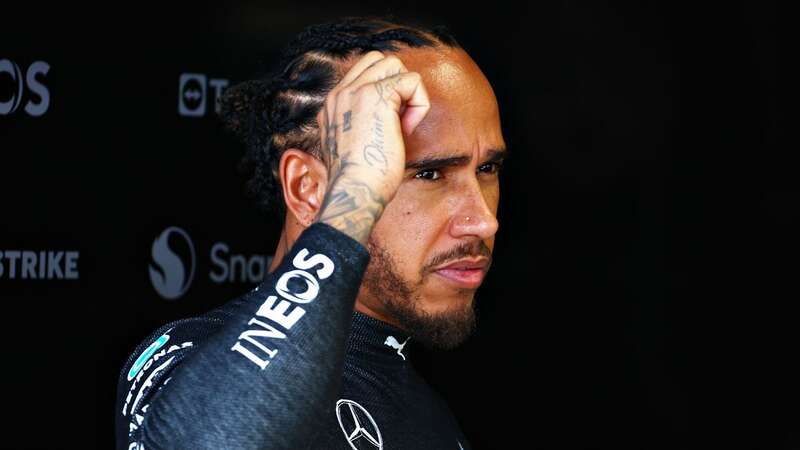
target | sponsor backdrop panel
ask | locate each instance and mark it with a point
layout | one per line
(640, 295)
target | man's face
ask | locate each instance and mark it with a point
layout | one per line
(444, 211)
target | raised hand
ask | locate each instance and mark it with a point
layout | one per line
(362, 125)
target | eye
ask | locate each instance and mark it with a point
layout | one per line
(429, 174)
(491, 167)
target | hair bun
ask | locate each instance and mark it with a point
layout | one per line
(244, 108)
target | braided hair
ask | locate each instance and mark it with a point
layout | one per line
(278, 111)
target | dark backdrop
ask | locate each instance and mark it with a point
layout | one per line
(644, 289)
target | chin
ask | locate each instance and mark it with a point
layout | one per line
(444, 326)
(440, 297)
(450, 305)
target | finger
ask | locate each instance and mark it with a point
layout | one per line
(416, 107)
(406, 90)
(362, 64)
(375, 69)
(380, 70)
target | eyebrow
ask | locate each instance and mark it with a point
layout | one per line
(495, 155)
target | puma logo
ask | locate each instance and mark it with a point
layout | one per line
(391, 341)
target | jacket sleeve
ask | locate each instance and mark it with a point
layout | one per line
(261, 374)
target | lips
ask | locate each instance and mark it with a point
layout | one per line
(465, 273)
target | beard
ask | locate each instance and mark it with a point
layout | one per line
(402, 301)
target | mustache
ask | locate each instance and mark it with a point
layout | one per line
(465, 250)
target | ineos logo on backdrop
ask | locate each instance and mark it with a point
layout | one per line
(33, 108)
(169, 275)
(193, 92)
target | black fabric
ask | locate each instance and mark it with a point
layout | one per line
(290, 365)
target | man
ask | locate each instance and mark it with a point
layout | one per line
(381, 143)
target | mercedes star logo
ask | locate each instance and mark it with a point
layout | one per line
(351, 417)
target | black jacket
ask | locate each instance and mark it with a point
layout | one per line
(289, 365)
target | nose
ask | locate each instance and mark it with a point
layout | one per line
(474, 217)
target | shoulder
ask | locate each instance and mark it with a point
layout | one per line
(151, 363)
(172, 342)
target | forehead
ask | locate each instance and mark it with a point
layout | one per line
(464, 115)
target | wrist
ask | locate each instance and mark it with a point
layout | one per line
(352, 205)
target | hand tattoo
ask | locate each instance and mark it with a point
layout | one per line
(374, 152)
(347, 116)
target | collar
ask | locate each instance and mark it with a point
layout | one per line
(375, 339)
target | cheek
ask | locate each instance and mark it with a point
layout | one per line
(492, 196)
(408, 228)
(490, 189)
(493, 201)
(416, 212)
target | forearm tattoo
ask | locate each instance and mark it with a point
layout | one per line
(351, 207)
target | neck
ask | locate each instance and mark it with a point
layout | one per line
(281, 250)
(363, 306)
(384, 344)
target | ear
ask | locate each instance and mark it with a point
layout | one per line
(304, 179)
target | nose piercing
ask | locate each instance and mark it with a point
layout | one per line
(467, 219)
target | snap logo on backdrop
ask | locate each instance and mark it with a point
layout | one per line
(33, 107)
(193, 91)
(173, 264)
(169, 275)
